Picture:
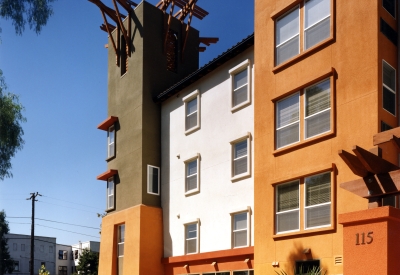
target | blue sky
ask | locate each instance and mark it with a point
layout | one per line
(61, 79)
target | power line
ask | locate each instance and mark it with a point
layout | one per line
(72, 202)
(55, 222)
(68, 207)
(68, 223)
(68, 231)
(21, 222)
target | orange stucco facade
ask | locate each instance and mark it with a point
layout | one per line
(143, 241)
(351, 58)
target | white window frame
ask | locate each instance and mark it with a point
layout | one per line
(149, 180)
(119, 241)
(186, 100)
(390, 89)
(288, 125)
(110, 180)
(287, 40)
(186, 162)
(111, 144)
(309, 27)
(245, 65)
(286, 211)
(197, 222)
(320, 112)
(249, 157)
(246, 210)
(317, 205)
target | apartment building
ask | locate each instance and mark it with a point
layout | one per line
(325, 81)
(65, 264)
(179, 179)
(207, 167)
(19, 246)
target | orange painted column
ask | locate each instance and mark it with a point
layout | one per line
(371, 241)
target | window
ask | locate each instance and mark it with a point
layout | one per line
(192, 112)
(389, 32)
(16, 265)
(50, 249)
(111, 141)
(110, 193)
(217, 273)
(41, 248)
(240, 85)
(15, 247)
(317, 203)
(317, 21)
(153, 180)
(172, 51)
(389, 88)
(192, 175)
(390, 6)
(191, 238)
(62, 270)
(76, 254)
(123, 56)
(317, 114)
(120, 248)
(241, 157)
(241, 228)
(22, 247)
(243, 272)
(62, 254)
(385, 126)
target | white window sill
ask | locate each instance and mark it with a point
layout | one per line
(192, 192)
(240, 106)
(241, 176)
(191, 130)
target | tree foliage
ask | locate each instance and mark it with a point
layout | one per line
(43, 271)
(88, 262)
(6, 263)
(34, 12)
(11, 131)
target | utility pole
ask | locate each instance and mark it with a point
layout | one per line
(31, 263)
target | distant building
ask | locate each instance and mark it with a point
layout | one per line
(19, 246)
(64, 260)
(79, 247)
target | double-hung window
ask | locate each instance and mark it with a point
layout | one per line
(389, 88)
(316, 102)
(240, 229)
(316, 15)
(110, 192)
(241, 157)
(153, 180)
(111, 141)
(192, 175)
(120, 248)
(191, 238)
(315, 209)
(192, 111)
(240, 77)
(62, 270)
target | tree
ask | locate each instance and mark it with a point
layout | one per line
(88, 262)
(36, 13)
(10, 128)
(6, 263)
(43, 271)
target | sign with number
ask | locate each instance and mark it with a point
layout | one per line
(362, 239)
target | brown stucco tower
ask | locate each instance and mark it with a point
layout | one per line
(159, 52)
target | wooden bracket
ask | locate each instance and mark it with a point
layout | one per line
(353, 163)
(373, 163)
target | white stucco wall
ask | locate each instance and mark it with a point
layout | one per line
(19, 247)
(69, 262)
(91, 245)
(218, 196)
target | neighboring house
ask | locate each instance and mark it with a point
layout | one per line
(326, 80)
(64, 260)
(19, 246)
(79, 247)
(207, 165)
